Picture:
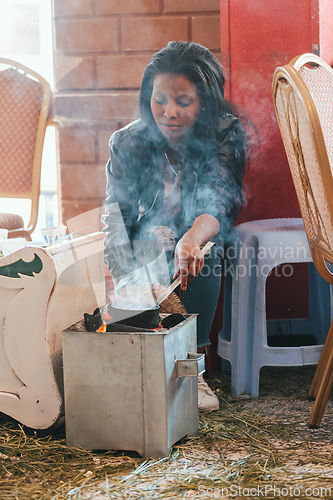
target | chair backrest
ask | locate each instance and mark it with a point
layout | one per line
(25, 107)
(303, 96)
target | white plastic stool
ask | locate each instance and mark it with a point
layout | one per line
(262, 245)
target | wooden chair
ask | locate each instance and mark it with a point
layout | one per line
(43, 291)
(25, 107)
(303, 100)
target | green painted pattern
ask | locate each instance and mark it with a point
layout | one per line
(16, 269)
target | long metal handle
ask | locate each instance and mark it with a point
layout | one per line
(169, 290)
(193, 366)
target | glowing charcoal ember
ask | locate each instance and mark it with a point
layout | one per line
(102, 329)
(158, 327)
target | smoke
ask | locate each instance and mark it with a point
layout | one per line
(87, 222)
(136, 268)
(79, 262)
(64, 65)
(137, 289)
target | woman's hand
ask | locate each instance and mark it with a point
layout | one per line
(188, 260)
(188, 257)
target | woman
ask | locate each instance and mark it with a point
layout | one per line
(177, 174)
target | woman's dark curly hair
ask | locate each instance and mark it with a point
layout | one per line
(198, 65)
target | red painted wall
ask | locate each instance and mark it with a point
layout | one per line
(326, 30)
(257, 36)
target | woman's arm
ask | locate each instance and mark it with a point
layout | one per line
(188, 257)
(218, 198)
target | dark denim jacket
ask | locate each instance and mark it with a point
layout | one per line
(136, 181)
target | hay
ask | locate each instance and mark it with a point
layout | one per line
(249, 443)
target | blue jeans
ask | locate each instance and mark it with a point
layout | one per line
(202, 294)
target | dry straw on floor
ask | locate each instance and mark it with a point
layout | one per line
(255, 448)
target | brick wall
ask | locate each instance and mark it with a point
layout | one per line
(101, 48)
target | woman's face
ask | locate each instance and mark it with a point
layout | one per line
(175, 106)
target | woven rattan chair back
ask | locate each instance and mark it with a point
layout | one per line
(25, 106)
(303, 100)
(302, 125)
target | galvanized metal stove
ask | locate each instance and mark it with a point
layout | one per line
(132, 391)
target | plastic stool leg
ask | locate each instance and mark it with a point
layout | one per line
(319, 305)
(241, 341)
(260, 331)
(243, 316)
